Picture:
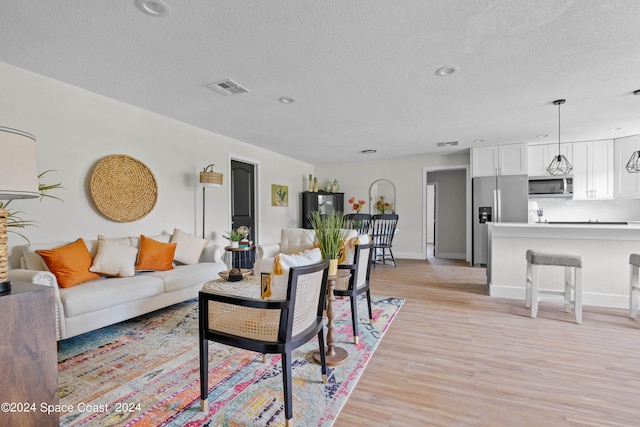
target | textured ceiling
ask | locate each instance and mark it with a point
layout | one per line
(362, 71)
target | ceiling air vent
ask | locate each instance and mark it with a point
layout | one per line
(228, 87)
(444, 144)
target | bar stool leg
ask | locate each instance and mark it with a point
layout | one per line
(528, 285)
(578, 295)
(568, 285)
(634, 288)
(534, 291)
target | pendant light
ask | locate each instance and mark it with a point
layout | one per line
(559, 165)
(633, 165)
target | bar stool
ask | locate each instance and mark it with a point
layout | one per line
(634, 284)
(572, 264)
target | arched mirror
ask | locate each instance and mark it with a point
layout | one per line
(382, 197)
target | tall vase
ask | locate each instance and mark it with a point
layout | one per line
(333, 267)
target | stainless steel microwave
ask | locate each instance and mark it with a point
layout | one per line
(551, 186)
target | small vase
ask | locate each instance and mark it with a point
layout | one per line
(335, 187)
(333, 267)
(235, 244)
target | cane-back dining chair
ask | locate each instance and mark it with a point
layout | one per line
(267, 326)
(358, 283)
(383, 229)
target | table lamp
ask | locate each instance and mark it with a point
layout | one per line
(18, 180)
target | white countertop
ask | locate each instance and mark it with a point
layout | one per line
(539, 225)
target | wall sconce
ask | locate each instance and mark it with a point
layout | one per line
(208, 178)
(18, 180)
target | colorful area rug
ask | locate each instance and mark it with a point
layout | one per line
(145, 372)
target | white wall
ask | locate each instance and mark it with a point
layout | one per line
(76, 128)
(407, 176)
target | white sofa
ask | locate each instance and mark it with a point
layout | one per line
(292, 241)
(108, 300)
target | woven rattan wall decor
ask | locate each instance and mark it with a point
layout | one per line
(123, 188)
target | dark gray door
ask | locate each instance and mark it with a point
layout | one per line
(243, 196)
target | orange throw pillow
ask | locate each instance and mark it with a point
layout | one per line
(154, 255)
(69, 263)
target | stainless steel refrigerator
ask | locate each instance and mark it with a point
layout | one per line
(496, 199)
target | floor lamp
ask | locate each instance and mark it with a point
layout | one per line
(18, 180)
(208, 178)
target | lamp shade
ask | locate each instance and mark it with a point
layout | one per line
(18, 167)
(209, 178)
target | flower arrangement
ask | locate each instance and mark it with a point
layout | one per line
(356, 205)
(381, 205)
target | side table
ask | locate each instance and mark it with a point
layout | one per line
(334, 356)
(28, 355)
(240, 257)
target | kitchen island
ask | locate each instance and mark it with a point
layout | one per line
(605, 249)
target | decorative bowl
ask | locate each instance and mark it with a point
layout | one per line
(225, 274)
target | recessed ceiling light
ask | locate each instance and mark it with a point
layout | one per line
(286, 100)
(447, 70)
(544, 135)
(156, 8)
(477, 141)
(369, 151)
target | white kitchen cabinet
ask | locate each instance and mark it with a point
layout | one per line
(509, 159)
(540, 156)
(626, 185)
(593, 170)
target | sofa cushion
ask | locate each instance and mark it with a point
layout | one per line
(184, 276)
(32, 260)
(155, 255)
(189, 247)
(295, 240)
(104, 293)
(114, 259)
(69, 263)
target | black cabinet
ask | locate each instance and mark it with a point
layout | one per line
(322, 202)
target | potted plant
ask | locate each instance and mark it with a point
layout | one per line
(330, 236)
(234, 237)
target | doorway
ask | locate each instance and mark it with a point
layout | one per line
(449, 222)
(243, 196)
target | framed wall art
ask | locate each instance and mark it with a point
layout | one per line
(279, 195)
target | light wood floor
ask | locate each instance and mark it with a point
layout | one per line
(456, 357)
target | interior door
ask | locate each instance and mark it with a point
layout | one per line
(243, 196)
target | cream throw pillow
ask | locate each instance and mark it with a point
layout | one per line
(350, 248)
(282, 265)
(189, 247)
(114, 259)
